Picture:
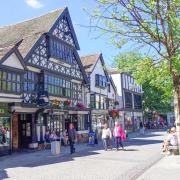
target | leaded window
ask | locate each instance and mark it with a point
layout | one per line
(128, 99)
(10, 82)
(60, 51)
(60, 87)
(137, 101)
(92, 100)
(30, 81)
(100, 80)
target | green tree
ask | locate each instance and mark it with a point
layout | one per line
(157, 95)
(154, 23)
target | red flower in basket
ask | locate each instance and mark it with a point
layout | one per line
(80, 105)
(114, 113)
(67, 103)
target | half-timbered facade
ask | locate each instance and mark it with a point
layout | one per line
(129, 96)
(102, 92)
(42, 79)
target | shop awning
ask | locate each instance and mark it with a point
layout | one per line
(78, 112)
(100, 111)
(23, 109)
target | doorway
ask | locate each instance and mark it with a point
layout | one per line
(73, 118)
(25, 130)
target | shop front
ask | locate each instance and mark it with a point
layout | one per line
(121, 119)
(132, 120)
(138, 117)
(29, 125)
(128, 121)
(5, 130)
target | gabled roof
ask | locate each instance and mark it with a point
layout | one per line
(113, 84)
(89, 61)
(28, 31)
(13, 50)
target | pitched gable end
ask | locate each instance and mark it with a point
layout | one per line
(64, 30)
(13, 59)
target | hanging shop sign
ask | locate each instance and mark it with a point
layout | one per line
(42, 99)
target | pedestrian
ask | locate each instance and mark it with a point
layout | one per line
(53, 136)
(171, 140)
(119, 136)
(47, 136)
(46, 139)
(7, 136)
(72, 137)
(1, 134)
(106, 137)
(141, 128)
(65, 137)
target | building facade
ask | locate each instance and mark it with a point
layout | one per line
(102, 92)
(129, 96)
(43, 84)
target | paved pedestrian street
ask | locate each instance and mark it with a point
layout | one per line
(88, 163)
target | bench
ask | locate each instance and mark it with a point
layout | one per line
(174, 150)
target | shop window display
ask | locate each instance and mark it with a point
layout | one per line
(128, 122)
(4, 135)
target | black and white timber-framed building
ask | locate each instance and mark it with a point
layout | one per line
(102, 91)
(129, 96)
(43, 84)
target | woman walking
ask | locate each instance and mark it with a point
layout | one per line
(119, 136)
(106, 136)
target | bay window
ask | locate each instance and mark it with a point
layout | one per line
(61, 87)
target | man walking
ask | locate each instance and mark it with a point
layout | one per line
(72, 137)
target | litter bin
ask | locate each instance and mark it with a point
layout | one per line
(55, 147)
(91, 138)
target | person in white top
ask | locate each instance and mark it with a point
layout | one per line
(106, 136)
(171, 139)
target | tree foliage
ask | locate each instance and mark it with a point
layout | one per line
(155, 23)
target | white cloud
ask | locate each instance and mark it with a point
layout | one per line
(34, 4)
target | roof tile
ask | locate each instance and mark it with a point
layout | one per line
(29, 31)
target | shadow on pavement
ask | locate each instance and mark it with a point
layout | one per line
(141, 142)
(131, 150)
(47, 159)
(3, 174)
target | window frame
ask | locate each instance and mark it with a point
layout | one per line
(7, 84)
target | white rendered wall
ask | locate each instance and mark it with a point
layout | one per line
(98, 69)
(117, 81)
(13, 61)
(112, 94)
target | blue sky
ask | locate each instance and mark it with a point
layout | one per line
(13, 11)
